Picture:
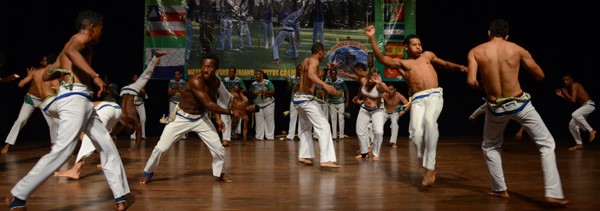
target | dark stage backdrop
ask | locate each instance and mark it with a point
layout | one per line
(557, 34)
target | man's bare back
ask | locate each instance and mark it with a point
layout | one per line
(499, 61)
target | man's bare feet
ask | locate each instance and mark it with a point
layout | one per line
(394, 145)
(556, 202)
(576, 147)
(121, 206)
(375, 158)
(305, 161)
(500, 194)
(226, 143)
(223, 178)
(72, 173)
(592, 135)
(329, 165)
(146, 178)
(5, 149)
(429, 178)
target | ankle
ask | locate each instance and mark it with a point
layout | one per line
(16, 203)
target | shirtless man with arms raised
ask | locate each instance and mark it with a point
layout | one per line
(498, 62)
(427, 97)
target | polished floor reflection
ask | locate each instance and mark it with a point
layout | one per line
(267, 176)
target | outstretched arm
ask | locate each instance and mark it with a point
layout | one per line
(472, 71)
(450, 66)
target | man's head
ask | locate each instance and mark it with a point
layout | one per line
(177, 75)
(209, 65)
(333, 74)
(260, 75)
(318, 49)
(498, 28)
(232, 72)
(568, 79)
(412, 44)
(91, 21)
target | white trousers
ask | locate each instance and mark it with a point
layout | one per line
(293, 120)
(24, 114)
(228, 127)
(578, 120)
(109, 113)
(375, 116)
(479, 111)
(310, 117)
(425, 109)
(525, 114)
(265, 121)
(393, 117)
(77, 115)
(181, 126)
(337, 118)
(141, 110)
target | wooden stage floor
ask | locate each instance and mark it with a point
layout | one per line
(267, 176)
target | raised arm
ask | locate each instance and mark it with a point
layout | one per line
(27, 78)
(450, 66)
(387, 61)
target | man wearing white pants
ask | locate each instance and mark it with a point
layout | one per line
(191, 115)
(77, 115)
(310, 117)
(575, 93)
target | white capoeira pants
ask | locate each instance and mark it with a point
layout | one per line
(425, 109)
(265, 121)
(77, 114)
(293, 120)
(224, 100)
(578, 120)
(375, 116)
(393, 117)
(525, 114)
(140, 83)
(337, 118)
(109, 113)
(26, 110)
(183, 124)
(310, 118)
(141, 110)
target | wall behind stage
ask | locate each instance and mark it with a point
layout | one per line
(448, 28)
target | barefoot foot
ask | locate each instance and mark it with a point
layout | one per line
(14, 203)
(429, 178)
(576, 147)
(5, 149)
(329, 165)
(592, 135)
(556, 202)
(305, 161)
(500, 194)
(146, 178)
(223, 178)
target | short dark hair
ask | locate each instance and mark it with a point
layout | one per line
(87, 18)
(316, 47)
(499, 28)
(409, 37)
(234, 69)
(212, 57)
(360, 65)
(51, 58)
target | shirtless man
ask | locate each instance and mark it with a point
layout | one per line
(498, 62)
(309, 112)
(33, 99)
(240, 106)
(427, 99)
(394, 109)
(576, 94)
(198, 100)
(130, 118)
(77, 115)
